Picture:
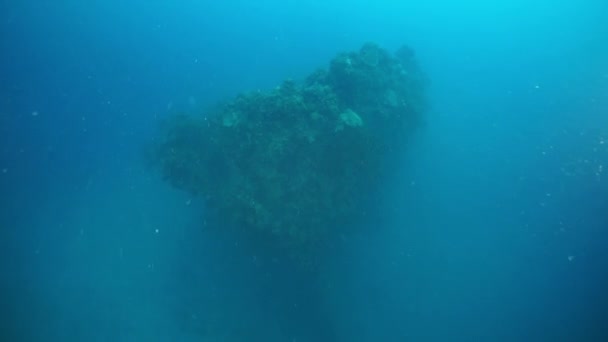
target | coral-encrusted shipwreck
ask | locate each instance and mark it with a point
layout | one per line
(297, 164)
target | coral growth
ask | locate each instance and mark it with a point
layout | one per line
(297, 163)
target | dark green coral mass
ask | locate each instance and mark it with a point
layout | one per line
(298, 163)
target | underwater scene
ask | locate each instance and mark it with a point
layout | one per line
(304, 171)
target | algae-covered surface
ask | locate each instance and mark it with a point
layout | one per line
(293, 165)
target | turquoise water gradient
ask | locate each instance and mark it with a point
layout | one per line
(495, 229)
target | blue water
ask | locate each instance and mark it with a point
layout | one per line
(495, 230)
